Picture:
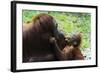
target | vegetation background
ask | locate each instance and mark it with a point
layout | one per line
(68, 23)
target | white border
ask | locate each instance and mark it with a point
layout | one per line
(38, 65)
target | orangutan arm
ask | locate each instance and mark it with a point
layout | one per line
(77, 54)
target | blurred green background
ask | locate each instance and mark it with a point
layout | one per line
(68, 23)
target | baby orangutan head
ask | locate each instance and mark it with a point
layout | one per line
(72, 48)
(74, 40)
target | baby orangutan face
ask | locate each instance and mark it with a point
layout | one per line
(73, 41)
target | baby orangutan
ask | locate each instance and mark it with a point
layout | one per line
(71, 50)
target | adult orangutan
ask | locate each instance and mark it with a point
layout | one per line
(41, 41)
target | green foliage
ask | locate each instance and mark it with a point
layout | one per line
(68, 23)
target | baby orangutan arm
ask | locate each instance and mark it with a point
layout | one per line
(77, 54)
